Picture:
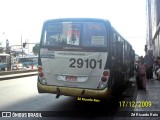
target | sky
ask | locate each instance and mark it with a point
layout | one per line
(22, 20)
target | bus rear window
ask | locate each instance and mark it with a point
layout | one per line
(91, 34)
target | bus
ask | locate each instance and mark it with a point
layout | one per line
(4, 61)
(83, 57)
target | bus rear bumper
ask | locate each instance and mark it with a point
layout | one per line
(75, 92)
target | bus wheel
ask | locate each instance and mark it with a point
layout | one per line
(3, 69)
(117, 83)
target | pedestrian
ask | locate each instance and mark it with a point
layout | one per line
(148, 60)
(141, 74)
(157, 68)
(142, 70)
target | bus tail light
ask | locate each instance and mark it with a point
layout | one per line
(40, 71)
(106, 73)
(103, 79)
(105, 76)
(41, 74)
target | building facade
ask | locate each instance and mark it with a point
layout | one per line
(153, 26)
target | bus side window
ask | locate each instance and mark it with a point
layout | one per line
(128, 51)
(119, 49)
(114, 46)
(125, 50)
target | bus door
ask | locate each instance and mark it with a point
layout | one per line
(117, 52)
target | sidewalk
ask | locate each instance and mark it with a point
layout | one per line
(152, 94)
(148, 107)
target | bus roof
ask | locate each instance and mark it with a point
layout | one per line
(76, 19)
(29, 57)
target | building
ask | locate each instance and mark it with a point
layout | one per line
(153, 26)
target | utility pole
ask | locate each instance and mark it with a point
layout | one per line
(8, 52)
(1, 48)
(7, 47)
(10, 65)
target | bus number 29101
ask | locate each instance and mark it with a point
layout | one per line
(88, 63)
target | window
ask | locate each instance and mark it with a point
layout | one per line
(94, 34)
(2, 59)
(87, 34)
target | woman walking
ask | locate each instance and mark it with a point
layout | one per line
(142, 71)
(141, 74)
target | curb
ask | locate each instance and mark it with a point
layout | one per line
(13, 76)
(16, 72)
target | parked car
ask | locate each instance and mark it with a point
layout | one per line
(30, 67)
(17, 66)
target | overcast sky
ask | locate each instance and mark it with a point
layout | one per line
(25, 17)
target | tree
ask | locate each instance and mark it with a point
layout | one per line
(36, 49)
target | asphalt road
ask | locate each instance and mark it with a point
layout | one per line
(21, 95)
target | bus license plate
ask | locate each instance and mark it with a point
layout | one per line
(71, 78)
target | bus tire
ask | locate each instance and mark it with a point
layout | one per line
(117, 84)
(3, 69)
